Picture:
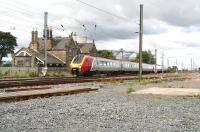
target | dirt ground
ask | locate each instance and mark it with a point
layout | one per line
(169, 91)
(181, 89)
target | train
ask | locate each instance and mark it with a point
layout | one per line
(85, 65)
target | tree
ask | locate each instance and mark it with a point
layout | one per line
(147, 57)
(105, 54)
(172, 69)
(7, 44)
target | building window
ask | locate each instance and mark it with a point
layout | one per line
(70, 52)
(20, 63)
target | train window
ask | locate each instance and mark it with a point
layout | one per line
(106, 63)
(78, 59)
(101, 63)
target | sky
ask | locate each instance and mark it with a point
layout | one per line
(170, 26)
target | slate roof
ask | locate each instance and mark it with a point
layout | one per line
(50, 58)
(40, 55)
(61, 42)
(85, 47)
(41, 43)
(58, 43)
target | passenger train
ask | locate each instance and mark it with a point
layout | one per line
(89, 65)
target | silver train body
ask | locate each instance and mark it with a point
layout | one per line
(108, 65)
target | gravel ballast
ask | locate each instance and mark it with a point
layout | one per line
(109, 109)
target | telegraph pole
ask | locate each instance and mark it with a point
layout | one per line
(176, 66)
(122, 51)
(191, 64)
(155, 60)
(162, 63)
(45, 43)
(167, 62)
(140, 42)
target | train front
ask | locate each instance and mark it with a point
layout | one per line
(76, 64)
(81, 65)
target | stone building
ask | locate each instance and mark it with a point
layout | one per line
(60, 51)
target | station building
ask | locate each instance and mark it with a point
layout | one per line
(60, 51)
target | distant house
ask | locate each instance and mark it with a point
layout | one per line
(88, 48)
(27, 57)
(127, 55)
(60, 51)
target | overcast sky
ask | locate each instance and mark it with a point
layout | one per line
(170, 26)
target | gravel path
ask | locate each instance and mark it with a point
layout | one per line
(109, 109)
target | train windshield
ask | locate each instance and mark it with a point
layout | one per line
(78, 59)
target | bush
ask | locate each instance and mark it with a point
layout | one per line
(130, 90)
(33, 74)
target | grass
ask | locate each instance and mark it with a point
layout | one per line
(197, 96)
(192, 96)
(130, 90)
(18, 74)
(57, 74)
(28, 74)
(148, 81)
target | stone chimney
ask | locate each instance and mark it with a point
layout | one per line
(84, 39)
(50, 32)
(34, 40)
(32, 35)
(75, 37)
(50, 39)
(36, 36)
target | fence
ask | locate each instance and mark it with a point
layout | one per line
(18, 69)
(30, 69)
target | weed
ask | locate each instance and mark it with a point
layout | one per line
(148, 81)
(184, 97)
(130, 90)
(169, 86)
(33, 74)
(197, 96)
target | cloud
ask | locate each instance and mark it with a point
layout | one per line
(170, 26)
(177, 13)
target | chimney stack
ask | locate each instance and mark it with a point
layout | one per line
(84, 39)
(75, 37)
(36, 35)
(34, 40)
(32, 35)
(50, 32)
(50, 38)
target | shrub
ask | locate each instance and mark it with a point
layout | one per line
(130, 90)
(33, 74)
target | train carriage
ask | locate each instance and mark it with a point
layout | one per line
(101, 64)
(87, 65)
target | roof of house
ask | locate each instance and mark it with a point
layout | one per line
(85, 47)
(61, 42)
(58, 42)
(40, 56)
(50, 58)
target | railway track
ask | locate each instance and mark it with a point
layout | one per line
(8, 83)
(52, 81)
(13, 90)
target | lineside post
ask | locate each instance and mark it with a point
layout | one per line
(140, 42)
(44, 70)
